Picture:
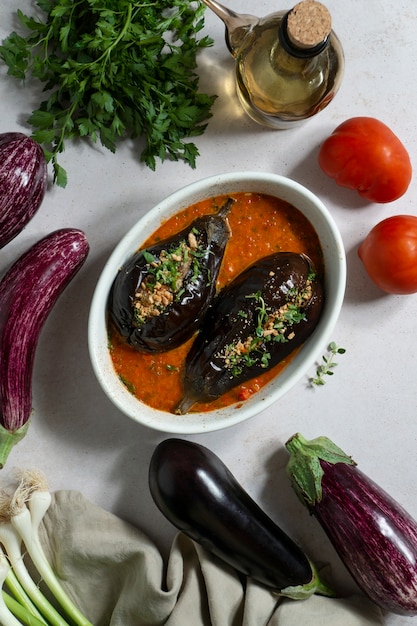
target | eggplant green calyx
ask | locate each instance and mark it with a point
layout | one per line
(315, 586)
(304, 468)
(8, 439)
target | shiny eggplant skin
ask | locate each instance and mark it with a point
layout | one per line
(29, 290)
(266, 285)
(374, 536)
(23, 182)
(180, 319)
(199, 495)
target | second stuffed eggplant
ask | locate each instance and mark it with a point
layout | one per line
(256, 321)
(161, 295)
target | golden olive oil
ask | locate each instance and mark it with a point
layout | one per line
(280, 83)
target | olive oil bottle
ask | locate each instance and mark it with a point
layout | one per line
(289, 65)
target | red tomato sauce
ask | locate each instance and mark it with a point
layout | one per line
(260, 225)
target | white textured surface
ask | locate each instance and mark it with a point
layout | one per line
(369, 407)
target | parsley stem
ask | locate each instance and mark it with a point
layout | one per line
(106, 54)
(111, 71)
(70, 112)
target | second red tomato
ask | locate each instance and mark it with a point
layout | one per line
(389, 254)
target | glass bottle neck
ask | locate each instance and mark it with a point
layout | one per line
(290, 48)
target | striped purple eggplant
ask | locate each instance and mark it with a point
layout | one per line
(373, 535)
(28, 292)
(23, 178)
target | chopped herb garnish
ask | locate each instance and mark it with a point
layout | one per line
(293, 314)
(262, 313)
(164, 281)
(129, 386)
(149, 258)
(271, 325)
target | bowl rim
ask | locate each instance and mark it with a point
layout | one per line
(195, 423)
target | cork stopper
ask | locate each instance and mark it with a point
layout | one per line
(309, 23)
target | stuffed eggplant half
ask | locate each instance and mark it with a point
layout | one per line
(254, 323)
(160, 296)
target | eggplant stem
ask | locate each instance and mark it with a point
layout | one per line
(315, 586)
(224, 210)
(321, 589)
(8, 439)
(304, 468)
(185, 405)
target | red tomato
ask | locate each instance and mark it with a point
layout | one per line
(244, 394)
(389, 254)
(364, 154)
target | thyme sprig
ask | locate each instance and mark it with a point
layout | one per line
(327, 365)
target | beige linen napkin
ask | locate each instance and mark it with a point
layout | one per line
(118, 578)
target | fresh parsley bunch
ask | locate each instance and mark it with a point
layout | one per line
(114, 68)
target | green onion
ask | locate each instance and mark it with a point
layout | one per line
(20, 596)
(12, 544)
(26, 520)
(22, 602)
(6, 616)
(19, 612)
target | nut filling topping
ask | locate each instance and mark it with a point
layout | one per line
(165, 277)
(271, 325)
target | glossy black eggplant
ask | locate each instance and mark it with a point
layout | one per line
(199, 495)
(372, 533)
(162, 293)
(256, 321)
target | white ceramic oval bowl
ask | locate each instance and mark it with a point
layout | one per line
(311, 351)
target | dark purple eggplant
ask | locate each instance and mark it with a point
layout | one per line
(162, 293)
(256, 321)
(28, 292)
(199, 495)
(23, 178)
(373, 535)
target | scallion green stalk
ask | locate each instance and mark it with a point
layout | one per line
(19, 594)
(7, 617)
(12, 543)
(26, 518)
(19, 611)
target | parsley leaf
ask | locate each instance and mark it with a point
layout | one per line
(114, 69)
